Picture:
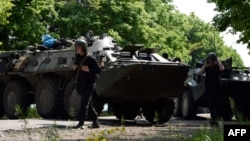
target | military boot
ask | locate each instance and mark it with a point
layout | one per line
(79, 125)
(96, 124)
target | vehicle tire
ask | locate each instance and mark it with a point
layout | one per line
(189, 109)
(49, 99)
(15, 93)
(227, 113)
(1, 105)
(72, 100)
(241, 112)
(225, 109)
(177, 108)
(1, 99)
(127, 111)
(159, 112)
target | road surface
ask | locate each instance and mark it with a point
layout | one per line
(139, 129)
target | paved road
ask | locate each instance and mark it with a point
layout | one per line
(33, 123)
(19, 124)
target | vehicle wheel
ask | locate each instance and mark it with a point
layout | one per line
(189, 109)
(16, 93)
(159, 112)
(72, 100)
(227, 113)
(242, 112)
(127, 111)
(48, 98)
(177, 108)
(1, 105)
(225, 109)
(1, 99)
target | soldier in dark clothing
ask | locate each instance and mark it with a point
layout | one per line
(86, 78)
(212, 68)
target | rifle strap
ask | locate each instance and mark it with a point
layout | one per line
(80, 66)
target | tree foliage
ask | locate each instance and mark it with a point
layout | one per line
(154, 23)
(233, 15)
(5, 6)
(28, 20)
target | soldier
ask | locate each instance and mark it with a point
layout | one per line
(86, 69)
(212, 68)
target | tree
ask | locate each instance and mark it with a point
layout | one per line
(5, 6)
(233, 15)
(29, 20)
(154, 23)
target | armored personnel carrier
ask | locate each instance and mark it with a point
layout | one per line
(235, 84)
(35, 75)
(133, 78)
(193, 97)
(193, 100)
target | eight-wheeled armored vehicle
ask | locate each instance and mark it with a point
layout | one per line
(133, 78)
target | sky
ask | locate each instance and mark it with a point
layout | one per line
(205, 11)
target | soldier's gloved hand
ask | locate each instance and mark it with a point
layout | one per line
(75, 67)
(85, 68)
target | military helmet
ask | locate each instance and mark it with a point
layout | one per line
(212, 56)
(82, 43)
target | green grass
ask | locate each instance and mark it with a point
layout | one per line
(216, 133)
(106, 113)
(30, 113)
(206, 134)
(107, 134)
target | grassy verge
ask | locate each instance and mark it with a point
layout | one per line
(206, 134)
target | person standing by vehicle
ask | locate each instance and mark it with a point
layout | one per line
(212, 69)
(86, 69)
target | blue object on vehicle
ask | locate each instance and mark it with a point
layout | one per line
(48, 41)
